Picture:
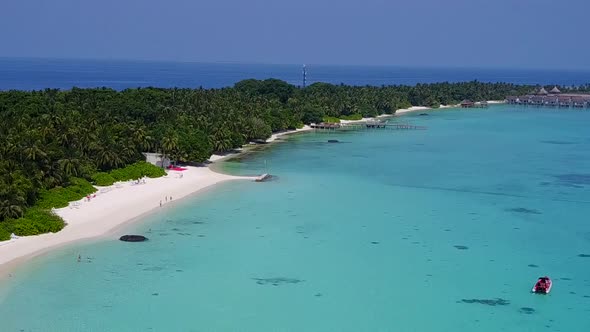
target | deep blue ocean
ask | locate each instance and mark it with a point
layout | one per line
(35, 74)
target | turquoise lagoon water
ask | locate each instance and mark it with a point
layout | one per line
(438, 230)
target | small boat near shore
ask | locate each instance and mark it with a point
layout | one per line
(543, 285)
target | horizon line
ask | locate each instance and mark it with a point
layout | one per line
(414, 66)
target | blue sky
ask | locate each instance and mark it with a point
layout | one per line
(466, 33)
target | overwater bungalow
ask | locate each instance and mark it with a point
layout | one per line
(553, 98)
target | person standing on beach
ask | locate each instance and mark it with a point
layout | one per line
(160, 203)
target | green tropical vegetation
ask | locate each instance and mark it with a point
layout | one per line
(56, 143)
(355, 117)
(330, 119)
(130, 172)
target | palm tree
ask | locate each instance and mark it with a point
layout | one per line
(10, 209)
(11, 202)
(169, 144)
(69, 166)
(31, 148)
(107, 156)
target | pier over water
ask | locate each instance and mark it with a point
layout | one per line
(366, 125)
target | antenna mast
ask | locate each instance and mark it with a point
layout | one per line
(304, 75)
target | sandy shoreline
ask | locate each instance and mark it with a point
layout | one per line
(120, 204)
(112, 207)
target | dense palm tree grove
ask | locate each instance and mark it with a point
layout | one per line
(50, 137)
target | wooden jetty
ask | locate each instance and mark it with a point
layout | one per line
(470, 104)
(357, 125)
(262, 178)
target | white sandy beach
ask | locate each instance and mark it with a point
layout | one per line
(273, 138)
(412, 109)
(424, 108)
(112, 207)
(117, 205)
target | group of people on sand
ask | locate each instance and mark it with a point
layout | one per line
(165, 200)
(89, 197)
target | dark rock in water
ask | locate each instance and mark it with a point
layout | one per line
(423, 114)
(584, 255)
(277, 281)
(524, 210)
(558, 142)
(154, 268)
(573, 180)
(566, 279)
(133, 238)
(490, 302)
(318, 295)
(526, 310)
(374, 242)
(333, 141)
(533, 265)
(461, 247)
(155, 294)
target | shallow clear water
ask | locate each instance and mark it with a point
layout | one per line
(355, 236)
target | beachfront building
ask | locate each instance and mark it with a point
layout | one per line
(157, 159)
(467, 103)
(552, 98)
